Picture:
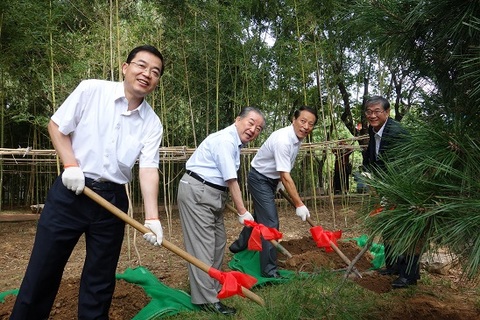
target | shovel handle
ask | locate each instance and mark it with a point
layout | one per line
(168, 245)
(286, 196)
(274, 242)
(310, 222)
(333, 245)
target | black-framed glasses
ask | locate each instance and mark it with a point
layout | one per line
(142, 66)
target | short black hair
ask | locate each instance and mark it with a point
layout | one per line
(296, 114)
(147, 48)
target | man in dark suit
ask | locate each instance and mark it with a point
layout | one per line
(385, 134)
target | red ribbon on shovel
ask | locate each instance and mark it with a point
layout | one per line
(324, 238)
(232, 282)
(259, 231)
(273, 241)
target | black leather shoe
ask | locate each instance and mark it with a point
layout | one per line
(217, 307)
(388, 271)
(235, 247)
(401, 283)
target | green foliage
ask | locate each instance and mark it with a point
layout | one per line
(431, 195)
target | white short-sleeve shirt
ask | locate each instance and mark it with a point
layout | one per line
(278, 153)
(217, 158)
(107, 139)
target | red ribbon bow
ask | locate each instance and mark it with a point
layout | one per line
(232, 282)
(323, 237)
(259, 231)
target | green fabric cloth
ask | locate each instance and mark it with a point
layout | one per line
(249, 262)
(376, 250)
(6, 293)
(165, 300)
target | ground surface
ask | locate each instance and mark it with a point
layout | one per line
(439, 297)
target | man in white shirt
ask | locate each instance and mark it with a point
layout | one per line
(272, 165)
(211, 172)
(99, 132)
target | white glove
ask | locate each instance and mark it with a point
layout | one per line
(246, 216)
(367, 175)
(302, 212)
(73, 179)
(280, 186)
(156, 236)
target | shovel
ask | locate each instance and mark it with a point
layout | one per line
(214, 273)
(318, 233)
(274, 242)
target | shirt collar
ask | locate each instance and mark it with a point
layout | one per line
(120, 94)
(293, 136)
(380, 132)
(233, 131)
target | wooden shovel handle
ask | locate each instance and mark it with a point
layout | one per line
(332, 244)
(274, 242)
(168, 245)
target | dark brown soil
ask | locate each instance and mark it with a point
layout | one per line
(451, 299)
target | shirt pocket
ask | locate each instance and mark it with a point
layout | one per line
(128, 151)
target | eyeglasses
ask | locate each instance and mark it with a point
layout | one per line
(376, 112)
(142, 66)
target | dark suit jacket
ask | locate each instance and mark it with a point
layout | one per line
(393, 134)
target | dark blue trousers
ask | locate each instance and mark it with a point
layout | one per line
(63, 220)
(263, 191)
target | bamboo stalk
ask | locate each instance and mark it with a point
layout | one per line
(189, 95)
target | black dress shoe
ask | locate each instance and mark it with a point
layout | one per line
(236, 247)
(217, 307)
(401, 283)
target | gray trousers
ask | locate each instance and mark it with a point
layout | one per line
(201, 215)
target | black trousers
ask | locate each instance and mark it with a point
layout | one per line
(263, 191)
(63, 220)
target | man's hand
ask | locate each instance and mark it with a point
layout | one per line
(302, 212)
(73, 179)
(246, 216)
(156, 236)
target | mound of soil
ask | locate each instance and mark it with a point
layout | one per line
(307, 257)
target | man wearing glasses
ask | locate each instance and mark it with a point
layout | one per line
(99, 133)
(385, 134)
